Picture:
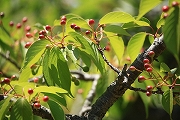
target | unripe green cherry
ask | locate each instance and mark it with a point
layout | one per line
(85, 69)
(76, 82)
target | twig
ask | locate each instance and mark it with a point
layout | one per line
(159, 91)
(107, 62)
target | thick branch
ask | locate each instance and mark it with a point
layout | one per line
(123, 82)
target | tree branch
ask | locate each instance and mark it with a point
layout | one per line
(124, 81)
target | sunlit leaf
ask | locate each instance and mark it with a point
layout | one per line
(116, 29)
(50, 89)
(146, 6)
(137, 23)
(164, 68)
(116, 17)
(25, 73)
(117, 44)
(167, 101)
(56, 110)
(46, 69)
(90, 49)
(55, 69)
(57, 98)
(160, 23)
(21, 110)
(35, 51)
(5, 107)
(171, 33)
(79, 22)
(135, 44)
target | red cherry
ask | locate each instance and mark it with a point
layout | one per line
(29, 35)
(37, 105)
(11, 23)
(145, 61)
(141, 79)
(148, 93)
(88, 32)
(18, 26)
(149, 69)
(42, 32)
(28, 44)
(28, 28)
(48, 27)
(175, 3)
(165, 8)
(77, 28)
(151, 53)
(63, 22)
(132, 68)
(91, 22)
(73, 25)
(149, 88)
(63, 18)
(165, 15)
(13, 77)
(107, 48)
(7, 81)
(45, 98)
(24, 19)
(36, 79)
(41, 36)
(147, 65)
(30, 91)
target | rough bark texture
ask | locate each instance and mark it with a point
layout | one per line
(123, 82)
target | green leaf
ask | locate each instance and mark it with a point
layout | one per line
(146, 6)
(35, 51)
(135, 44)
(137, 23)
(21, 110)
(116, 17)
(79, 22)
(70, 54)
(116, 29)
(85, 57)
(117, 44)
(160, 23)
(5, 107)
(55, 69)
(68, 16)
(90, 49)
(50, 89)
(46, 70)
(25, 73)
(57, 98)
(171, 33)
(167, 101)
(63, 71)
(56, 110)
(164, 68)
